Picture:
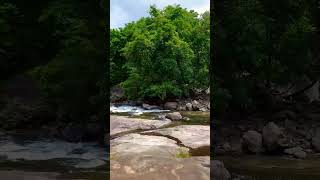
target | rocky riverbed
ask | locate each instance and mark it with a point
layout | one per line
(159, 146)
(35, 156)
(284, 140)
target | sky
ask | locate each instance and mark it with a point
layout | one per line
(125, 11)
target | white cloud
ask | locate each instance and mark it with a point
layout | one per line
(125, 11)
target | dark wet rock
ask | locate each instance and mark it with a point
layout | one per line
(175, 116)
(171, 105)
(252, 140)
(219, 172)
(296, 152)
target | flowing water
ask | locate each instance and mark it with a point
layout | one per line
(133, 110)
(38, 155)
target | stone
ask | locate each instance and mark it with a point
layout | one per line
(207, 91)
(171, 105)
(272, 136)
(296, 152)
(252, 140)
(175, 116)
(219, 172)
(227, 147)
(189, 106)
(195, 105)
(149, 107)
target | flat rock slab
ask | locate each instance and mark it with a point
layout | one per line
(139, 145)
(192, 136)
(151, 157)
(155, 168)
(123, 124)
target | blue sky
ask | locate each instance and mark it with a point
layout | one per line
(125, 11)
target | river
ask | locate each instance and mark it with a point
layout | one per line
(36, 157)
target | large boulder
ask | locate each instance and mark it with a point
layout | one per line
(175, 116)
(273, 137)
(219, 172)
(252, 140)
(171, 105)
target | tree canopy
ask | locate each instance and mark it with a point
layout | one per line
(161, 56)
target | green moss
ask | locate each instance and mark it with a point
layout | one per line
(182, 153)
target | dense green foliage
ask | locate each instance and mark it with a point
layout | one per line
(61, 44)
(260, 44)
(161, 56)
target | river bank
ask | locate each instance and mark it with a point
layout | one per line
(285, 139)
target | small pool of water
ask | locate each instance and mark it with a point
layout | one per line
(272, 167)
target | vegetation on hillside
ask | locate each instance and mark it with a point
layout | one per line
(259, 45)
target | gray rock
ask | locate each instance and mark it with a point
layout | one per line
(252, 140)
(207, 91)
(195, 105)
(219, 172)
(171, 105)
(296, 152)
(175, 116)
(189, 106)
(272, 136)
